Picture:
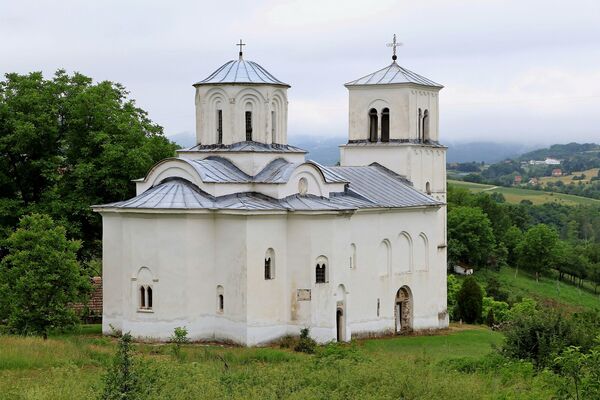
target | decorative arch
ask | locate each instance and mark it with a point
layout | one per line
(278, 117)
(251, 113)
(216, 112)
(384, 259)
(405, 253)
(428, 188)
(269, 264)
(420, 124)
(422, 253)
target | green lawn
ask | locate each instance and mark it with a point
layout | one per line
(417, 367)
(516, 195)
(547, 290)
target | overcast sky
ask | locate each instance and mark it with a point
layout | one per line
(522, 70)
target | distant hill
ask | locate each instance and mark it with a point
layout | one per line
(564, 151)
(325, 149)
(488, 152)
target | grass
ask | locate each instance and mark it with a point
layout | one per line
(516, 195)
(417, 367)
(547, 290)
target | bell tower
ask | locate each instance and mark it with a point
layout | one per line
(394, 121)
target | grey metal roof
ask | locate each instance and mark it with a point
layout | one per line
(369, 187)
(280, 170)
(382, 187)
(393, 74)
(249, 146)
(241, 71)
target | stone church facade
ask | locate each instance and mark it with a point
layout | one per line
(239, 238)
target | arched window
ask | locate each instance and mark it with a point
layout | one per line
(419, 125)
(149, 297)
(273, 127)
(384, 258)
(385, 125)
(428, 188)
(426, 125)
(373, 125)
(321, 273)
(220, 299)
(270, 264)
(421, 251)
(248, 125)
(352, 256)
(220, 126)
(142, 297)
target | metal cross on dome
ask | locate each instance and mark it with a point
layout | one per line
(240, 44)
(393, 45)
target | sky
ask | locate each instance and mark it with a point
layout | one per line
(514, 71)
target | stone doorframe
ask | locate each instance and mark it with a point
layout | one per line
(403, 310)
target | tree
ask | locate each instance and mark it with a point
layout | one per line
(470, 237)
(67, 143)
(40, 276)
(536, 252)
(470, 301)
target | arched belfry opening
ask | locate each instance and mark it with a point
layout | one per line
(420, 125)
(403, 310)
(385, 125)
(373, 125)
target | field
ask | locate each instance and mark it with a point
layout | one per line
(456, 364)
(566, 179)
(516, 195)
(547, 290)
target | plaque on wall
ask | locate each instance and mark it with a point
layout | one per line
(303, 295)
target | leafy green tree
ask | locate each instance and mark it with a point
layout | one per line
(40, 276)
(536, 252)
(67, 143)
(470, 237)
(470, 301)
(453, 287)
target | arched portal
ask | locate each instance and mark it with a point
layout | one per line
(339, 323)
(403, 310)
(340, 314)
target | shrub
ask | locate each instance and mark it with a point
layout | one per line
(121, 382)
(453, 287)
(306, 344)
(179, 338)
(498, 308)
(470, 301)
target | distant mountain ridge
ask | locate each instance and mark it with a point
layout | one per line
(325, 150)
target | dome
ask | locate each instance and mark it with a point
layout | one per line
(393, 74)
(241, 71)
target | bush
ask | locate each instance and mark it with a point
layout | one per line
(306, 344)
(121, 382)
(453, 287)
(179, 338)
(470, 301)
(499, 309)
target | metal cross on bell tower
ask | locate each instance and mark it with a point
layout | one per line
(240, 44)
(393, 45)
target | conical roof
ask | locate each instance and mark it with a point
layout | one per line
(393, 74)
(241, 71)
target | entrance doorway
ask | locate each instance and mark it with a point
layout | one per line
(403, 310)
(339, 322)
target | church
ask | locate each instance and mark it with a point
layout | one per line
(241, 239)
